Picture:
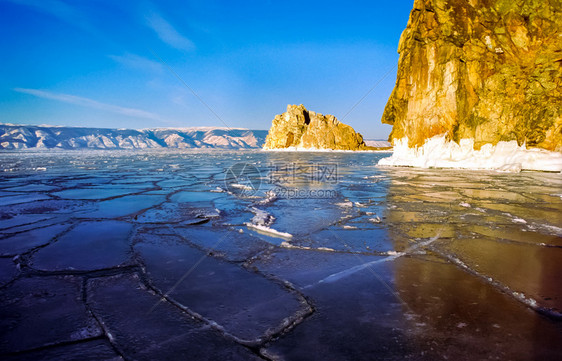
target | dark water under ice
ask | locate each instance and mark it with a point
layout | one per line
(274, 255)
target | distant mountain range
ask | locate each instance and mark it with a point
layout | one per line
(378, 143)
(13, 136)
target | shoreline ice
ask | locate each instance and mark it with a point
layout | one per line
(505, 156)
(312, 150)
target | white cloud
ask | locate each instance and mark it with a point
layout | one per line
(167, 33)
(90, 103)
(137, 62)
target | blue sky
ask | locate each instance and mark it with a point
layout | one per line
(101, 63)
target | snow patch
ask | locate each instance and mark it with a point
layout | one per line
(286, 244)
(527, 300)
(261, 222)
(270, 197)
(207, 213)
(261, 217)
(394, 253)
(515, 219)
(549, 229)
(241, 186)
(345, 204)
(269, 231)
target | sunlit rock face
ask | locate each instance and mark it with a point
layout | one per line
(483, 69)
(300, 128)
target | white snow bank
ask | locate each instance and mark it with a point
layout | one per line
(505, 156)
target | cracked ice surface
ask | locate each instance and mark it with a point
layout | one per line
(151, 255)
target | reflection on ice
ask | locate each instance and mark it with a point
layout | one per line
(495, 232)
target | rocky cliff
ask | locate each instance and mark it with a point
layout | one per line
(490, 70)
(300, 128)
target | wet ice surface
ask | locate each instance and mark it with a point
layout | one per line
(152, 255)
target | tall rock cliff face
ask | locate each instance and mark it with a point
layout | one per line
(300, 128)
(490, 70)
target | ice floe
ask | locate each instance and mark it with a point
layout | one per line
(269, 231)
(261, 217)
(262, 221)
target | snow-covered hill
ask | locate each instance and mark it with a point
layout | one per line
(378, 143)
(13, 136)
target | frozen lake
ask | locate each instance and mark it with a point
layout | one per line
(241, 255)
